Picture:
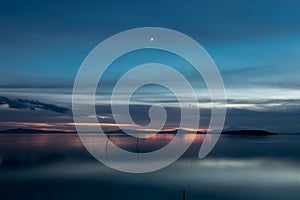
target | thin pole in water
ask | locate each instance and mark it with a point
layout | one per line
(183, 194)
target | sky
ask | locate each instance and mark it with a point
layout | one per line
(255, 44)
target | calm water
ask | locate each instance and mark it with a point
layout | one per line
(51, 166)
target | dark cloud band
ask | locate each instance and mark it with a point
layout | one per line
(31, 104)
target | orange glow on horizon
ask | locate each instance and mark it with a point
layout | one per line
(70, 126)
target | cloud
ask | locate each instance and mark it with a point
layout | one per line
(32, 105)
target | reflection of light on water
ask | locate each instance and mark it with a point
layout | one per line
(254, 173)
(95, 139)
(264, 175)
(229, 163)
(257, 173)
(195, 137)
(31, 141)
(163, 136)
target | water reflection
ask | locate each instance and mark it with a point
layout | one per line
(239, 167)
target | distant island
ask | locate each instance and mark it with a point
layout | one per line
(120, 132)
(233, 132)
(248, 132)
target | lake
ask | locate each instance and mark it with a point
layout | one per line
(57, 166)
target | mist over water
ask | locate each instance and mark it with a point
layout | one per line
(47, 166)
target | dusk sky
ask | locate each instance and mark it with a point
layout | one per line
(255, 44)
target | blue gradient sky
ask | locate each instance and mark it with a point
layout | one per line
(255, 44)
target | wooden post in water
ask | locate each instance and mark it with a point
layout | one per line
(183, 194)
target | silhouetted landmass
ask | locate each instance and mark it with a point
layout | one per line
(249, 132)
(173, 132)
(33, 131)
(182, 131)
(122, 132)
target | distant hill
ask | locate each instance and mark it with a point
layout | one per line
(248, 132)
(36, 131)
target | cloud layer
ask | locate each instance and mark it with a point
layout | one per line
(32, 105)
